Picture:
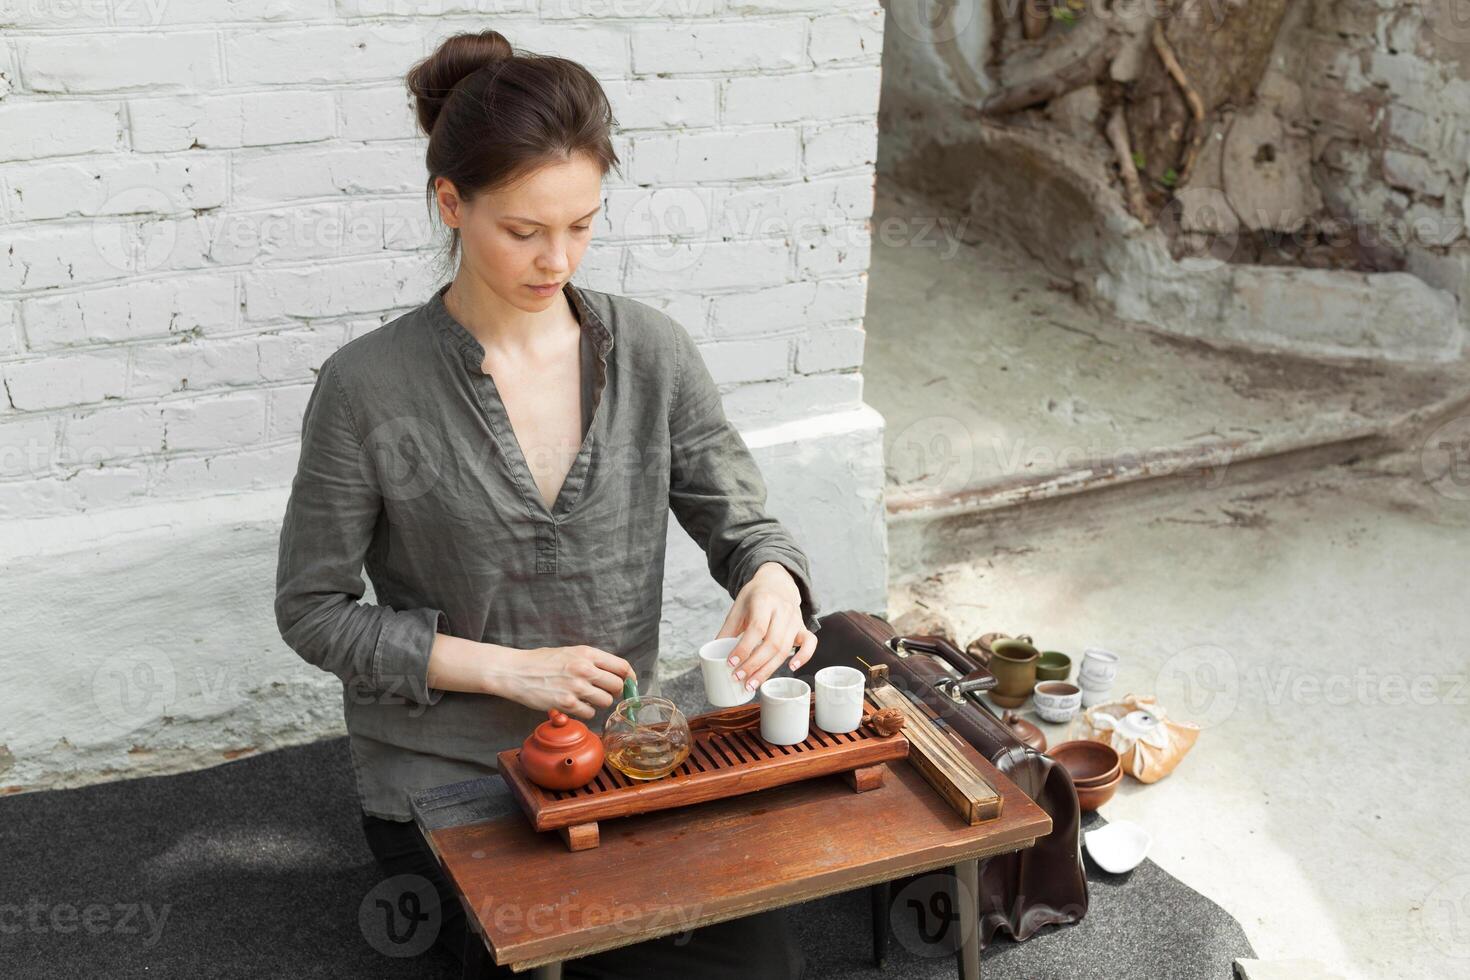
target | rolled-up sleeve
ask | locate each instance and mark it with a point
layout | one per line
(330, 518)
(716, 491)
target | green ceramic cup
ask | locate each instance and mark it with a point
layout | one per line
(1053, 666)
(1013, 662)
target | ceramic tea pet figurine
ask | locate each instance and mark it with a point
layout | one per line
(562, 753)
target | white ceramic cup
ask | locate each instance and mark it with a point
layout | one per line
(1093, 695)
(721, 688)
(839, 699)
(786, 707)
(1099, 667)
(1057, 701)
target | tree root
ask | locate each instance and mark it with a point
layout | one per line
(1196, 105)
(1084, 71)
(1118, 136)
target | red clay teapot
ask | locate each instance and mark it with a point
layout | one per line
(562, 753)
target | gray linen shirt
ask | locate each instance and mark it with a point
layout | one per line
(409, 468)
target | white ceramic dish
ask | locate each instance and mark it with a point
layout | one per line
(1120, 846)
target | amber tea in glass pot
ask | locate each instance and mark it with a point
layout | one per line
(646, 737)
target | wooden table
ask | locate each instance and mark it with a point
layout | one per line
(663, 873)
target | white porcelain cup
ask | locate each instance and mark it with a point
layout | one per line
(721, 688)
(786, 707)
(1057, 701)
(1099, 667)
(839, 699)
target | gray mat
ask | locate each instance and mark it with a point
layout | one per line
(257, 868)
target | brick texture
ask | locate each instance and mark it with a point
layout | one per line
(1385, 90)
(200, 202)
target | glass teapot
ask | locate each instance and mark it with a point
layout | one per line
(646, 737)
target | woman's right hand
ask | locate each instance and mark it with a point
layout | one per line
(577, 680)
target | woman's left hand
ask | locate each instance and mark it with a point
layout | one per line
(767, 618)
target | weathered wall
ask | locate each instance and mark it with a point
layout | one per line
(1373, 134)
(199, 202)
(1385, 94)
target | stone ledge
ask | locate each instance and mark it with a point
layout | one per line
(1076, 225)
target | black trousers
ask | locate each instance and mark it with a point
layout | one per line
(761, 945)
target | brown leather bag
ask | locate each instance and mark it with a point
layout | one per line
(1020, 892)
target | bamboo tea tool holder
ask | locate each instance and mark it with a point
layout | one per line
(936, 753)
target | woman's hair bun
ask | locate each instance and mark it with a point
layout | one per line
(457, 57)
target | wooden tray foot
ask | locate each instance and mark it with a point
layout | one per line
(580, 836)
(865, 778)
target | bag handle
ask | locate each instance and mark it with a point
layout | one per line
(940, 646)
(974, 673)
(931, 643)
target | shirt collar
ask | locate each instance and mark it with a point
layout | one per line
(474, 352)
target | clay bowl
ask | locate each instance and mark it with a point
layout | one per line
(1053, 666)
(1091, 764)
(1099, 781)
(1092, 797)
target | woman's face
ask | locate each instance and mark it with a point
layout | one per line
(530, 233)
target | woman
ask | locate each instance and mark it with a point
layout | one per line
(502, 461)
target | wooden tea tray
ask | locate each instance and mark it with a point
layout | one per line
(721, 763)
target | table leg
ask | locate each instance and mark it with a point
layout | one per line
(473, 961)
(551, 971)
(879, 896)
(966, 905)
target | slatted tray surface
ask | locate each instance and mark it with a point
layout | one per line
(720, 764)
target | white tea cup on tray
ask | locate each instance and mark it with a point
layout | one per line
(721, 688)
(786, 710)
(839, 698)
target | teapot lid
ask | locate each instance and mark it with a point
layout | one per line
(1137, 724)
(561, 731)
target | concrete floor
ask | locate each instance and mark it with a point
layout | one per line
(997, 384)
(1304, 606)
(1314, 626)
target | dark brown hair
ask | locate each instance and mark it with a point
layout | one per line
(494, 115)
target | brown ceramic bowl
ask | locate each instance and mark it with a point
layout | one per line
(1097, 780)
(1090, 763)
(1092, 797)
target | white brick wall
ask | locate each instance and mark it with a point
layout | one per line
(199, 202)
